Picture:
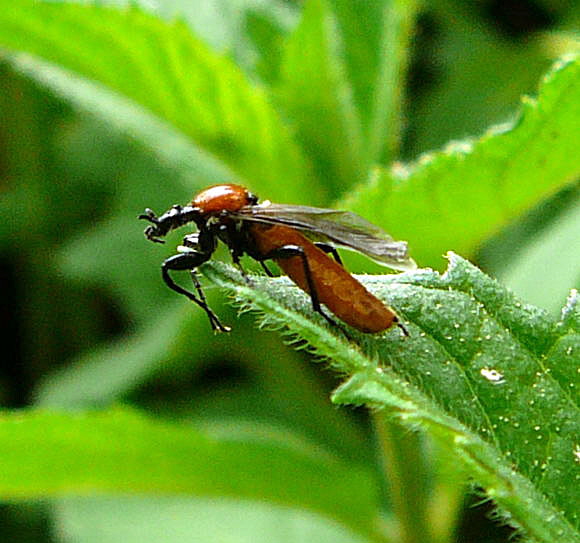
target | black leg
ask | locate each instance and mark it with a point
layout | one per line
(237, 262)
(401, 327)
(197, 285)
(265, 268)
(329, 249)
(290, 251)
(190, 261)
(234, 240)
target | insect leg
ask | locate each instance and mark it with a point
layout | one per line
(234, 240)
(190, 261)
(400, 326)
(290, 251)
(197, 285)
(329, 249)
(266, 269)
(238, 264)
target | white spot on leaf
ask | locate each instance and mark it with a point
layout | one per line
(492, 375)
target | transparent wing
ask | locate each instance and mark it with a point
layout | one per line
(339, 228)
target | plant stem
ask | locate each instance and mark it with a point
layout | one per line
(406, 478)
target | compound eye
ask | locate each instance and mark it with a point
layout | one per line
(252, 199)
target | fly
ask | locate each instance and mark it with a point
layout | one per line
(298, 238)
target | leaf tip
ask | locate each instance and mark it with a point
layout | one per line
(571, 311)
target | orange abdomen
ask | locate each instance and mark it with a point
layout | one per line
(337, 289)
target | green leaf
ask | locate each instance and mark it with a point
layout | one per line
(105, 375)
(495, 380)
(385, 124)
(162, 68)
(374, 37)
(458, 197)
(46, 454)
(188, 164)
(137, 519)
(316, 93)
(475, 75)
(178, 342)
(547, 267)
(267, 25)
(344, 94)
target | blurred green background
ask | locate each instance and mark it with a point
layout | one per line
(88, 323)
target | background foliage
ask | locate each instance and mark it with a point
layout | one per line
(109, 108)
